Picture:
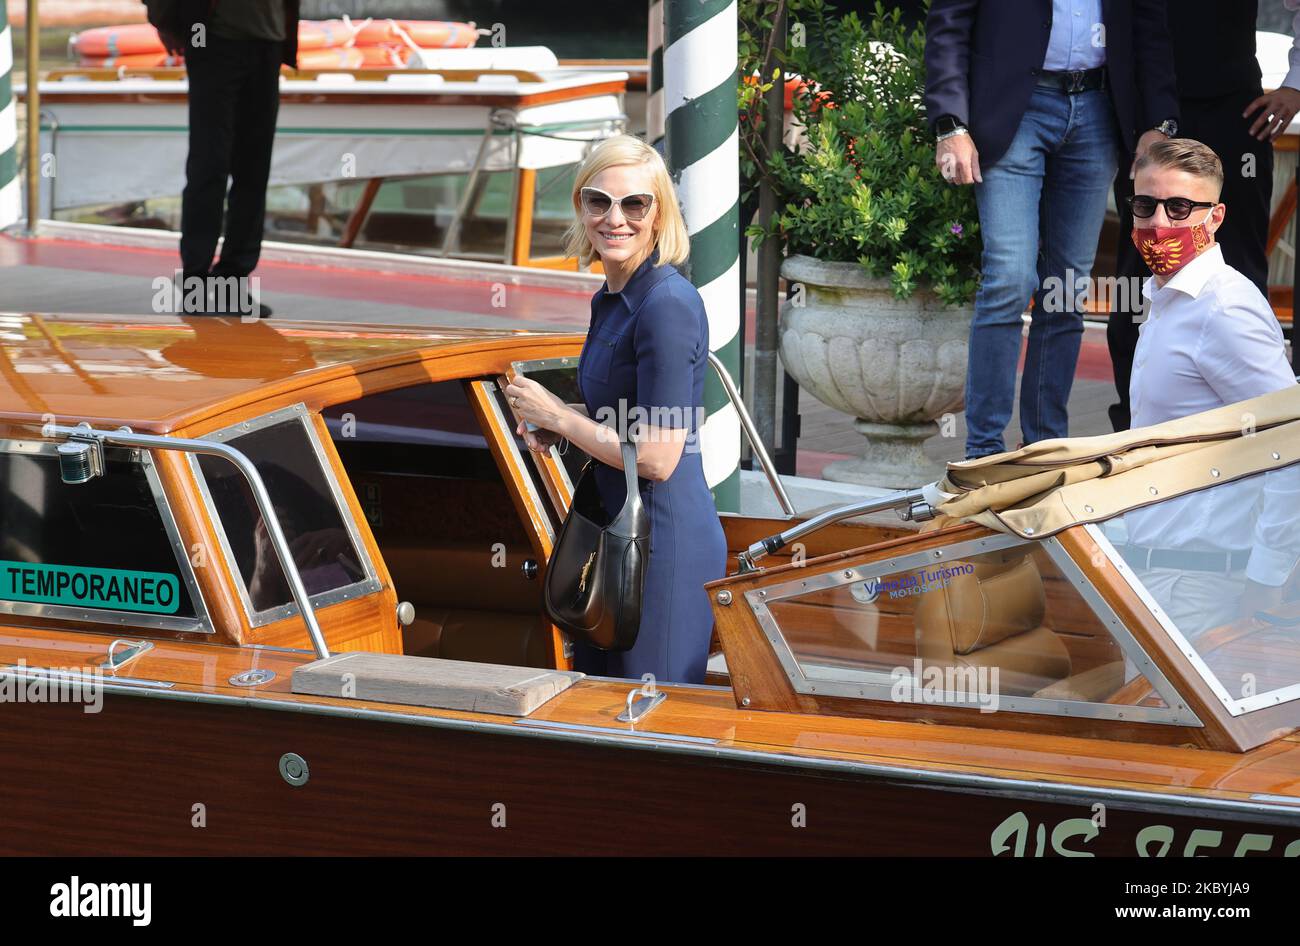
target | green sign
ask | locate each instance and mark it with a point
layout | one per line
(108, 588)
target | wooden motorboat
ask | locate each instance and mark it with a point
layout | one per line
(1001, 679)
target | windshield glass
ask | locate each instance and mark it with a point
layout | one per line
(1218, 567)
(991, 624)
(285, 455)
(102, 550)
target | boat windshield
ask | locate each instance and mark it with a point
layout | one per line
(1218, 568)
(993, 623)
(330, 558)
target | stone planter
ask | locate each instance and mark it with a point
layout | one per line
(898, 366)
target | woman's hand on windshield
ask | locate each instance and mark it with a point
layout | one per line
(539, 440)
(533, 403)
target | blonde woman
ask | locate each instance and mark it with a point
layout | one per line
(642, 371)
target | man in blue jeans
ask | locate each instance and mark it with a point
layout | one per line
(1036, 102)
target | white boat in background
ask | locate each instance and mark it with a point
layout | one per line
(343, 137)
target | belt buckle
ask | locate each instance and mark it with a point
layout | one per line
(1137, 556)
(1076, 80)
(1227, 564)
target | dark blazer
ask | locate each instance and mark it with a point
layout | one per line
(179, 16)
(1214, 47)
(982, 59)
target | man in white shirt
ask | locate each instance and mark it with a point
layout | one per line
(1210, 339)
(1221, 102)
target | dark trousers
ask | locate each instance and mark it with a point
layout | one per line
(1243, 236)
(233, 103)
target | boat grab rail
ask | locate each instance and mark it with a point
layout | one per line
(751, 433)
(913, 505)
(125, 437)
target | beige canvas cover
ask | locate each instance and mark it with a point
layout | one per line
(1048, 486)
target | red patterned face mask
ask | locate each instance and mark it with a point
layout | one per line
(1168, 249)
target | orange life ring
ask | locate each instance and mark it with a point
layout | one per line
(323, 34)
(112, 41)
(132, 61)
(427, 34)
(384, 57)
(331, 59)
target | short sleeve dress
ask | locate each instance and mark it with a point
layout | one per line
(645, 359)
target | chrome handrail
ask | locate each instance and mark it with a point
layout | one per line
(912, 505)
(755, 442)
(125, 437)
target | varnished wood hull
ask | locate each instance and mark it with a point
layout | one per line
(129, 780)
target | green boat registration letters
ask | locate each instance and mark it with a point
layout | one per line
(105, 588)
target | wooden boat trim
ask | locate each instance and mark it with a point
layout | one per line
(501, 443)
(1170, 802)
(424, 360)
(341, 382)
(519, 484)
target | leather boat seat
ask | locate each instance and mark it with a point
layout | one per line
(1096, 685)
(991, 615)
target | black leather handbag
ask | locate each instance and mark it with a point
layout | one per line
(597, 570)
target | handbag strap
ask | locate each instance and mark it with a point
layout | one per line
(624, 523)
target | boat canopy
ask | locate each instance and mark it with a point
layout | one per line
(1046, 487)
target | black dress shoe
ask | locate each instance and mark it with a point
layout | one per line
(211, 308)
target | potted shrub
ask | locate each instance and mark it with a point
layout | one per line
(882, 253)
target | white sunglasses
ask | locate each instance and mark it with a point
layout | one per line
(598, 203)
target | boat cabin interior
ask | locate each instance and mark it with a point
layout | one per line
(1023, 595)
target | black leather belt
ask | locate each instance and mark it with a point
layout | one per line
(1142, 556)
(1077, 80)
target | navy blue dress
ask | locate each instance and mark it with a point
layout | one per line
(645, 358)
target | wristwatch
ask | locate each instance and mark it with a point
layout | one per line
(947, 124)
(1168, 128)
